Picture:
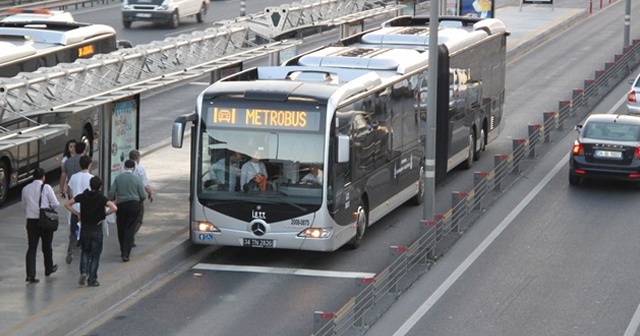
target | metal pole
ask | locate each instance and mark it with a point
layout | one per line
(243, 8)
(627, 22)
(430, 128)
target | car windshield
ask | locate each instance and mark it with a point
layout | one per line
(611, 131)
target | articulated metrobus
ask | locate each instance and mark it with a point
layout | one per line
(32, 40)
(309, 154)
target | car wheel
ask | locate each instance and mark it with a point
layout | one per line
(468, 163)
(4, 182)
(574, 180)
(174, 21)
(126, 24)
(362, 221)
(201, 14)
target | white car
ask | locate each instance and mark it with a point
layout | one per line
(633, 103)
(168, 12)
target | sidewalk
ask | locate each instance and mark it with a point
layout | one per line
(58, 305)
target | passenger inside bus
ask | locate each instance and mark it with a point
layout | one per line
(253, 175)
(220, 173)
(313, 177)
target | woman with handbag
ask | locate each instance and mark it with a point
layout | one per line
(35, 196)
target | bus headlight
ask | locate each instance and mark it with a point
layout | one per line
(316, 233)
(206, 227)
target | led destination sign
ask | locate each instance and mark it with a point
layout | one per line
(271, 119)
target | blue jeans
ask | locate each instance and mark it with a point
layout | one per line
(91, 243)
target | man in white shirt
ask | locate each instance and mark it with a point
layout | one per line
(313, 177)
(37, 195)
(78, 183)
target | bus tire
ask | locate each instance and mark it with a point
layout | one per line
(201, 14)
(4, 182)
(418, 199)
(174, 22)
(468, 163)
(362, 222)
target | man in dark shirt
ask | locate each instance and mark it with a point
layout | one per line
(92, 215)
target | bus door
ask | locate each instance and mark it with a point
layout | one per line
(458, 124)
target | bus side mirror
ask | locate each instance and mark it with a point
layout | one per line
(177, 134)
(177, 131)
(343, 148)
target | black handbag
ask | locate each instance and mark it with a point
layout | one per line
(48, 220)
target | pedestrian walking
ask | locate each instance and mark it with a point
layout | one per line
(70, 167)
(37, 195)
(134, 155)
(127, 190)
(92, 204)
(78, 183)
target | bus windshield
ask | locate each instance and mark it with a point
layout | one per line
(242, 162)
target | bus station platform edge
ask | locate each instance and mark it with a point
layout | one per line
(58, 305)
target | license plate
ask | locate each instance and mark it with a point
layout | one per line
(143, 15)
(251, 242)
(605, 154)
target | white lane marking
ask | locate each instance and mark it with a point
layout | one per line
(444, 287)
(633, 325)
(282, 270)
(200, 83)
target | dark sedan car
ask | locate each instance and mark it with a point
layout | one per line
(608, 147)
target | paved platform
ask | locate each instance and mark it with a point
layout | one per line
(59, 306)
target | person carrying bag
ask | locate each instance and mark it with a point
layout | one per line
(34, 196)
(48, 220)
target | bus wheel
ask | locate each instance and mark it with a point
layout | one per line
(468, 163)
(362, 221)
(174, 21)
(480, 145)
(201, 14)
(419, 197)
(4, 182)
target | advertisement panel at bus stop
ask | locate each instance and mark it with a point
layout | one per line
(477, 8)
(124, 135)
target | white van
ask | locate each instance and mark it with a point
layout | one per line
(168, 12)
